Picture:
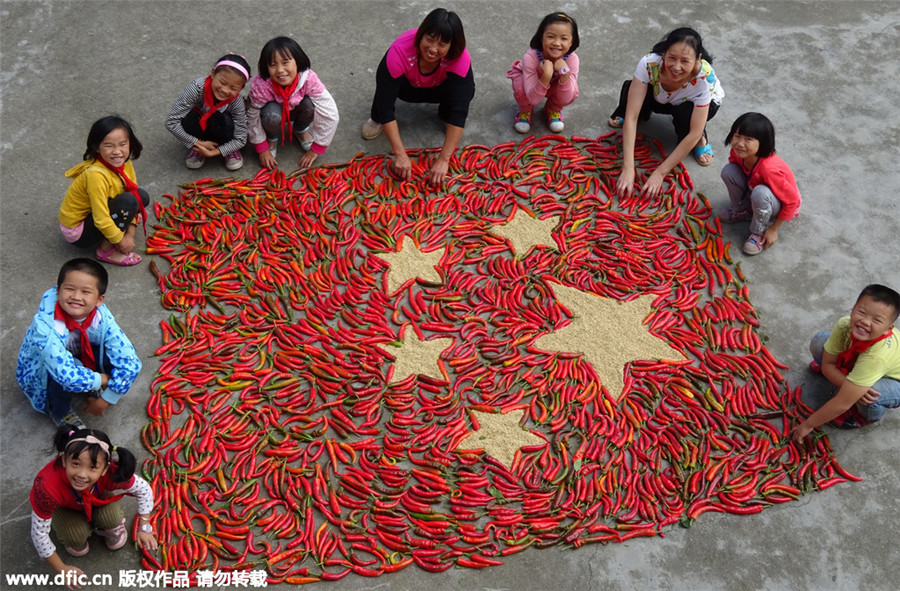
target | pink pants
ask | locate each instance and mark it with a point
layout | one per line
(557, 97)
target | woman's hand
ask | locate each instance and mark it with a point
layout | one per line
(402, 166)
(438, 172)
(625, 184)
(307, 160)
(653, 185)
(266, 160)
(799, 432)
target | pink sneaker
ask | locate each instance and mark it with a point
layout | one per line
(753, 245)
(79, 551)
(234, 161)
(115, 537)
(194, 160)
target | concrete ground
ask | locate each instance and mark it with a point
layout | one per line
(825, 72)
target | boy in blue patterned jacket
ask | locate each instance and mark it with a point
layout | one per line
(74, 346)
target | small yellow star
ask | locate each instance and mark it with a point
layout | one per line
(500, 435)
(419, 357)
(411, 263)
(608, 333)
(525, 232)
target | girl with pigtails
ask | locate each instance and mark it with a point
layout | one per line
(79, 490)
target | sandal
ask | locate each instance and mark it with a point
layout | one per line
(131, 259)
(698, 152)
(616, 122)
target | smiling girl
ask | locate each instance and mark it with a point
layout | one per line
(287, 100)
(549, 69)
(425, 65)
(103, 203)
(79, 489)
(676, 78)
(760, 184)
(209, 119)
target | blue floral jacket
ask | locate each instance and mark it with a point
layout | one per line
(44, 354)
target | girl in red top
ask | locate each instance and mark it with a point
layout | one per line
(760, 184)
(80, 488)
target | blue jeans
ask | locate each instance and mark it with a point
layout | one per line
(59, 400)
(887, 387)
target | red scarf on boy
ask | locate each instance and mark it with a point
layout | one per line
(130, 186)
(87, 352)
(847, 359)
(209, 101)
(284, 93)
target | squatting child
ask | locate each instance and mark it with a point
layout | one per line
(74, 347)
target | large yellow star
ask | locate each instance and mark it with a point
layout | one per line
(525, 232)
(608, 333)
(419, 357)
(500, 435)
(411, 263)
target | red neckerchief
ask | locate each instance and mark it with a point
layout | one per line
(87, 352)
(130, 186)
(209, 101)
(847, 359)
(284, 93)
(89, 500)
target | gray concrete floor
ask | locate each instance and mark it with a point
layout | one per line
(825, 72)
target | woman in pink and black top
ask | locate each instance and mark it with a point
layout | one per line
(425, 65)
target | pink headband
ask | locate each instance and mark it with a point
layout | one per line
(91, 439)
(236, 66)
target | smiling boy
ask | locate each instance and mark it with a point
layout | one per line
(74, 346)
(861, 356)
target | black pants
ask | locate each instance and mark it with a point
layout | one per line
(681, 114)
(59, 400)
(123, 208)
(219, 127)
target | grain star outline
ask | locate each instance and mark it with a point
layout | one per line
(411, 263)
(608, 334)
(526, 232)
(500, 435)
(417, 357)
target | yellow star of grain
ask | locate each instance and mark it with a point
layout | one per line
(419, 357)
(526, 232)
(500, 435)
(411, 263)
(608, 333)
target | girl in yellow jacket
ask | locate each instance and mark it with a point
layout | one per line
(103, 203)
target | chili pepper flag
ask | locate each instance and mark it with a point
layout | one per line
(283, 438)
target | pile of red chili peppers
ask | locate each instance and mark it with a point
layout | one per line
(277, 442)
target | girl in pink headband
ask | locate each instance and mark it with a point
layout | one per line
(209, 117)
(80, 489)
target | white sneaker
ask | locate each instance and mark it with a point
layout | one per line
(194, 160)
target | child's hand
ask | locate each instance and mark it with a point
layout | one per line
(146, 540)
(869, 397)
(546, 72)
(769, 237)
(77, 574)
(207, 148)
(266, 160)
(307, 160)
(559, 64)
(96, 406)
(402, 166)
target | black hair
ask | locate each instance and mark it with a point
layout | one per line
(281, 46)
(88, 266)
(757, 126)
(537, 42)
(686, 35)
(445, 24)
(69, 442)
(102, 128)
(238, 59)
(884, 295)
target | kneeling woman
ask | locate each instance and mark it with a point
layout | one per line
(425, 65)
(676, 79)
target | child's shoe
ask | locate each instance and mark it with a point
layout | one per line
(115, 537)
(555, 121)
(73, 420)
(730, 216)
(79, 551)
(306, 140)
(234, 161)
(370, 130)
(753, 245)
(523, 122)
(851, 419)
(194, 160)
(273, 147)
(815, 367)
